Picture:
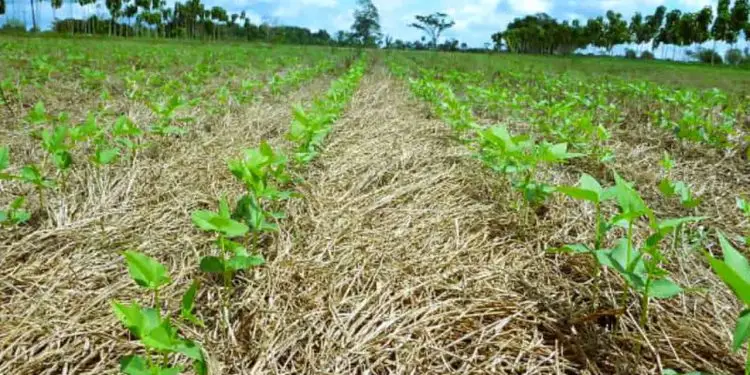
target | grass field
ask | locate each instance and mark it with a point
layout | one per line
(386, 212)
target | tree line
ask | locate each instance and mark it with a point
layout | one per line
(539, 33)
(542, 34)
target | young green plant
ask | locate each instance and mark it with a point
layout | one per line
(154, 329)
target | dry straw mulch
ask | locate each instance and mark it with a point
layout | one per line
(403, 256)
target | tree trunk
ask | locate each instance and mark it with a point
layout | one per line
(33, 14)
(713, 53)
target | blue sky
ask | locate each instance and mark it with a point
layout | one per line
(475, 20)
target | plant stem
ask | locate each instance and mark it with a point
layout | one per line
(624, 297)
(598, 240)
(157, 304)
(41, 197)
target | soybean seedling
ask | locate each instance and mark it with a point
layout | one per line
(232, 255)
(589, 190)
(4, 164)
(734, 271)
(32, 175)
(126, 134)
(15, 214)
(154, 330)
(56, 144)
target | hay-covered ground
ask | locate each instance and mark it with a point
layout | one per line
(403, 256)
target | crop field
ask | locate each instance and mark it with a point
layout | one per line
(227, 208)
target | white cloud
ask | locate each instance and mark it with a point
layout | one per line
(531, 6)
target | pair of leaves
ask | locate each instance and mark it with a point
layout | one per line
(250, 211)
(635, 272)
(155, 333)
(150, 274)
(680, 189)
(31, 174)
(588, 189)
(219, 222)
(239, 259)
(146, 271)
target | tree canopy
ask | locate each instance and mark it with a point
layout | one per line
(433, 25)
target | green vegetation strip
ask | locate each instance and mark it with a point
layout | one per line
(264, 173)
(522, 159)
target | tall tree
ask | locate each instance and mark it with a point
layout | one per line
(637, 29)
(654, 23)
(2, 7)
(721, 30)
(595, 32)
(114, 11)
(366, 26)
(738, 18)
(56, 4)
(616, 30)
(687, 30)
(433, 25)
(703, 24)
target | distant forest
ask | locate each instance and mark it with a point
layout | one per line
(533, 34)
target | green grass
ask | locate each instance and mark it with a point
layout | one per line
(679, 75)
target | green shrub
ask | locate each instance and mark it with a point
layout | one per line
(647, 55)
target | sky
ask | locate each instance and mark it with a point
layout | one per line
(476, 20)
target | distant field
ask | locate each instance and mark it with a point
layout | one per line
(231, 208)
(688, 75)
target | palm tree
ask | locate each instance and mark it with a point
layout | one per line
(654, 23)
(84, 4)
(130, 11)
(720, 29)
(738, 18)
(636, 29)
(114, 11)
(703, 24)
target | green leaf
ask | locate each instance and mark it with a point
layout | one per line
(587, 182)
(131, 316)
(188, 303)
(628, 199)
(663, 289)
(191, 349)
(667, 188)
(213, 222)
(63, 159)
(242, 262)
(579, 193)
(742, 204)
(146, 271)
(734, 270)
(31, 174)
(104, 156)
(212, 264)
(741, 330)
(134, 365)
(162, 338)
(5, 158)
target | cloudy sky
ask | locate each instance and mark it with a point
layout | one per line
(475, 20)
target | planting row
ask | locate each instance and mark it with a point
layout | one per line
(564, 103)
(238, 227)
(103, 138)
(528, 164)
